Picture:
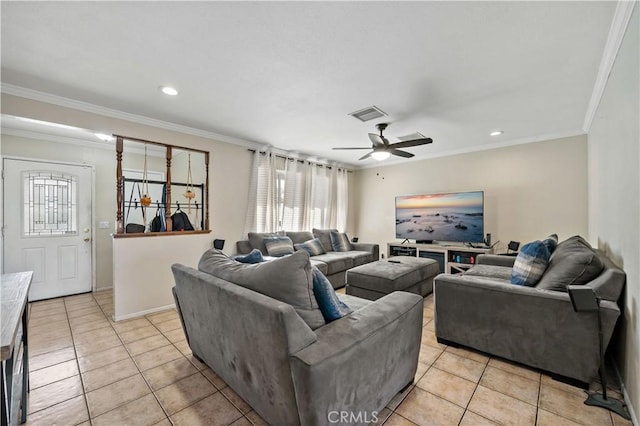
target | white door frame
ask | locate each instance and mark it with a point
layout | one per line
(93, 209)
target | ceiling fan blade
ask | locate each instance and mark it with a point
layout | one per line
(377, 140)
(364, 157)
(354, 148)
(399, 153)
(413, 142)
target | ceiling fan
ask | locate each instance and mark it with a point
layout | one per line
(381, 148)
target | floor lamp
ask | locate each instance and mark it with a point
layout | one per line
(584, 299)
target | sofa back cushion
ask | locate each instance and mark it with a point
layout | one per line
(573, 262)
(256, 239)
(278, 246)
(530, 264)
(299, 236)
(288, 279)
(324, 235)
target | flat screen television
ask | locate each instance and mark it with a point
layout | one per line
(448, 217)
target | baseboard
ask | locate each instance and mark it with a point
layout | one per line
(98, 290)
(147, 312)
(627, 401)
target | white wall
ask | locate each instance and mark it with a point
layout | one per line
(614, 191)
(530, 190)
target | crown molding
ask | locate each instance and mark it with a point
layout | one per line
(484, 147)
(619, 24)
(37, 95)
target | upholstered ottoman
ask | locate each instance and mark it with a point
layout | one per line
(401, 273)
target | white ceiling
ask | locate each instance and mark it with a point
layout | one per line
(288, 73)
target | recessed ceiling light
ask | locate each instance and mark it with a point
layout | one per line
(496, 133)
(104, 137)
(168, 90)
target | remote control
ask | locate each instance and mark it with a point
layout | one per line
(394, 261)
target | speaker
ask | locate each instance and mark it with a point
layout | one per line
(513, 245)
(487, 241)
(218, 244)
(354, 239)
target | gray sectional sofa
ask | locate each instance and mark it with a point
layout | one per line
(289, 373)
(333, 264)
(535, 326)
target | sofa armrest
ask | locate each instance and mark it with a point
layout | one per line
(374, 249)
(496, 260)
(364, 358)
(528, 325)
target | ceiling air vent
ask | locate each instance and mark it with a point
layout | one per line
(412, 136)
(369, 113)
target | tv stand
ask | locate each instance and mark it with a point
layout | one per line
(452, 258)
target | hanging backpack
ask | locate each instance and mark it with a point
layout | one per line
(156, 223)
(181, 221)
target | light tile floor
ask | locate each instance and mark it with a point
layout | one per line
(86, 369)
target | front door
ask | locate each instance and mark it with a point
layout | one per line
(47, 225)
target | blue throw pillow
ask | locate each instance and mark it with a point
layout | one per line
(278, 246)
(255, 256)
(551, 242)
(530, 264)
(340, 241)
(331, 307)
(313, 247)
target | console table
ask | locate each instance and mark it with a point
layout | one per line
(452, 259)
(14, 292)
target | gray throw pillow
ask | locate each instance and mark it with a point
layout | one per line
(340, 241)
(530, 264)
(278, 246)
(313, 247)
(573, 263)
(288, 279)
(256, 239)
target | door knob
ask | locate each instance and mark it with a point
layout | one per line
(86, 239)
(86, 230)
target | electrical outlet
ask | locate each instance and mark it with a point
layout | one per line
(104, 225)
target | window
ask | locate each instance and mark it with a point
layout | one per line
(50, 204)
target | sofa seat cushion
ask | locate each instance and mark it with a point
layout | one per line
(573, 262)
(288, 279)
(490, 271)
(359, 257)
(354, 302)
(336, 262)
(319, 264)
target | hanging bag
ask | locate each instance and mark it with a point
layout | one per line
(132, 228)
(181, 221)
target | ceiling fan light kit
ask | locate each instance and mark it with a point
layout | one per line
(381, 149)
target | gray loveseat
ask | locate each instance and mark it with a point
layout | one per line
(286, 371)
(534, 326)
(333, 264)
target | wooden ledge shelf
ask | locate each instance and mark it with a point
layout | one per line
(160, 234)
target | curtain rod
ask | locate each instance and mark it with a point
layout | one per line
(298, 160)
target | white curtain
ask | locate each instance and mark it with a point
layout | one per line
(298, 196)
(262, 209)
